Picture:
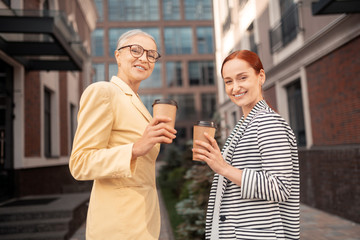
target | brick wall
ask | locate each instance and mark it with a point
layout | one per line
(330, 180)
(334, 96)
(32, 122)
(330, 171)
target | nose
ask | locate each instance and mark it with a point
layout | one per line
(143, 57)
(236, 86)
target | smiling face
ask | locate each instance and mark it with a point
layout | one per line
(134, 70)
(243, 84)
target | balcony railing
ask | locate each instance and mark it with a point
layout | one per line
(286, 30)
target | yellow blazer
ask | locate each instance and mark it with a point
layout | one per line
(124, 202)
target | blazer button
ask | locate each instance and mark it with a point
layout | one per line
(222, 218)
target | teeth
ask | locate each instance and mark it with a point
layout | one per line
(140, 67)
(241, 94)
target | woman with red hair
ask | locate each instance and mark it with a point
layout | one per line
(255, 191)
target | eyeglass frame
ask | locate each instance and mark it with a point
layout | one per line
(143, 50)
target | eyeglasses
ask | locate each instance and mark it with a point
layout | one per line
(137, 51)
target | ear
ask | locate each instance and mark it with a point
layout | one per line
(262, 76)
(116, 54)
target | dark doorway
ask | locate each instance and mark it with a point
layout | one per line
(6, 132)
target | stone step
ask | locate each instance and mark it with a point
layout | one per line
(33, 215)
(35, 226)
(59, 235)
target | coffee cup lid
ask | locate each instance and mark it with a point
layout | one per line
(165, 101)
(205, 124)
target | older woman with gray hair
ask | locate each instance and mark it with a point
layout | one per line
(116, 145)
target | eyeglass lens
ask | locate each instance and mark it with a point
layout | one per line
(138, 51)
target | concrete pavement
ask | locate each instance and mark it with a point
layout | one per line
(314, 224)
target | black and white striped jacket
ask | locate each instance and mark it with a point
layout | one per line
(266, 206)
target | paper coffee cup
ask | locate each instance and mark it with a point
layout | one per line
(165, 107)
(199, 129)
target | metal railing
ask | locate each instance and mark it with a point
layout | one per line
(286, 30)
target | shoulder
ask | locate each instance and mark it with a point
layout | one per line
(269, 121)
(99, 89)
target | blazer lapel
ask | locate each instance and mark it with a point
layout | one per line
(135, 99)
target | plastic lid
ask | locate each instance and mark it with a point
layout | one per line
(165, 101)
(205, 124)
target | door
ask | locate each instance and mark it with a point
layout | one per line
(6, 132)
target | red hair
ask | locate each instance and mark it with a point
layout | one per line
(248, 56)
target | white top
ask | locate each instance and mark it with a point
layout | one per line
(215, 222)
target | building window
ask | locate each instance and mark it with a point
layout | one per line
(174, 74)
(97, 39)
(186, 104)
(208, 106)
(99, 72)
(178, 40)
(113, 70)
(47, 123)
(234, 118)
(251, 35)
(296, 114)
(148, 100)
(205, 42)
(201, 73)
(115, 33)
(198, 9)
(154, 81)
(133, 10)
(171, 10)
(73, 114)
(287, 28)
(99, 7)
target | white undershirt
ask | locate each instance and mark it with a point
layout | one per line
(215, 221)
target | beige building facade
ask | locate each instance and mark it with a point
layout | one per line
(311, 60)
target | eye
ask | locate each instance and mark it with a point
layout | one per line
(136, 50)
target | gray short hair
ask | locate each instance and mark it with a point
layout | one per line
(125, 36)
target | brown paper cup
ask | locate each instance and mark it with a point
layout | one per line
(199, 129)
(165, 107)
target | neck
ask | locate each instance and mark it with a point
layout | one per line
(132, 84)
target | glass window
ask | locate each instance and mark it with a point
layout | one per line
(47, 123)
(133, 10)
(99, 7)
(113, 70)
(148, 100)
(115, 33)
(251, 34)
(296, 113)
(173, 74)
(178, 40)
(171, 10)
(154, 81)
(186, 104)
(208, 105)
(73, 121)
(205, 42)
(201, 73)
(99, 72)
(97, 39)
(198, 9)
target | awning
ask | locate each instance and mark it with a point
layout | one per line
(335, 7)
(40, 40)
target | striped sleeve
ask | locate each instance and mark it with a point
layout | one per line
(273, 181)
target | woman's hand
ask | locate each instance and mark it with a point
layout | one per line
(157, 131)
(213, 157)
